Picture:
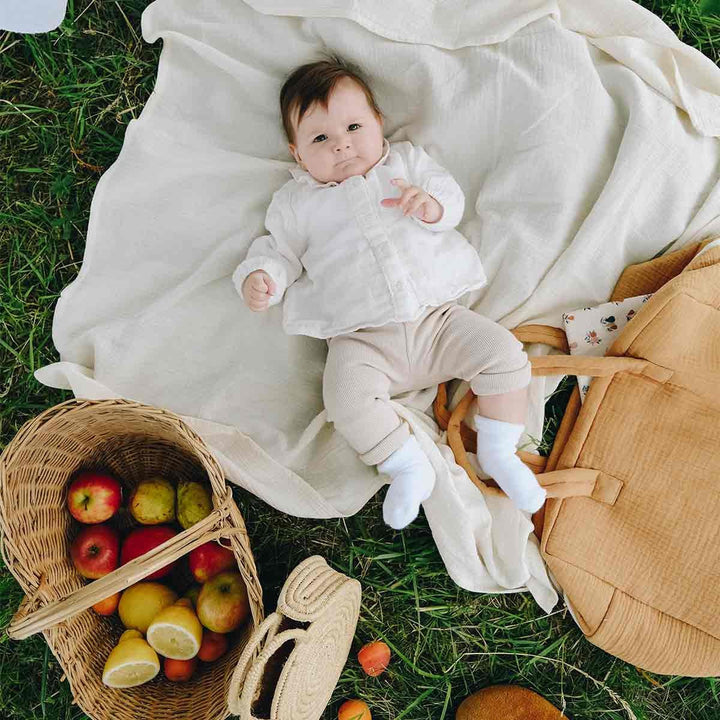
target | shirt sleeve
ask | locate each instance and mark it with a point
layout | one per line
(437, 182)
(277, 253)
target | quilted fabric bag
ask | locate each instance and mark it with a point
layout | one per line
(631, 530)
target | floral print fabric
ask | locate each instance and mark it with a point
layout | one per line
(592, 330)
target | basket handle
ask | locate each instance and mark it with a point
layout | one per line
(251, 677)
(24, 625)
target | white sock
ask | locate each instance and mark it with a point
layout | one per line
(496, 441)
(413, 480)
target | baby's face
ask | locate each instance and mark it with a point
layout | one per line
(345, 140)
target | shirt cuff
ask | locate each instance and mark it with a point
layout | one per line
(271, 266)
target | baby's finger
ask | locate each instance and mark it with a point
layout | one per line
(415, 204)
(407, 197)
(256, 282)
(270, 285)
(392, 202)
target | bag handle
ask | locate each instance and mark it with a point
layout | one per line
(24, 624)
(563, 483)
(571, 482)
(545, 334)
(249, 674)
(592, 365)
(267, 628)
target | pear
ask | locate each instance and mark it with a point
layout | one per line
(153, 501)
(194, 502)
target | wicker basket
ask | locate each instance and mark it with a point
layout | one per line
(133, 441)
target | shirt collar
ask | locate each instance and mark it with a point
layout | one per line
(303, 176)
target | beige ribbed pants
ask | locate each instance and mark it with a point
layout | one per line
(366, 367)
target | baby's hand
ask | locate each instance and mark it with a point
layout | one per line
(257, 290)
(415, 201)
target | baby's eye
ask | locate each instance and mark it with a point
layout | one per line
(350, 127)
(318, 138)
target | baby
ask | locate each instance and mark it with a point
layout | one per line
(378, 274)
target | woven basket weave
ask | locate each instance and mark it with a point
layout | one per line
(133, 441)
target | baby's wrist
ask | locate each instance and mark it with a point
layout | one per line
(436, 213)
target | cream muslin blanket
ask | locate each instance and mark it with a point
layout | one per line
(583, 135)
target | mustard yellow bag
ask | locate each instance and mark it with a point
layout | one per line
(631, 531)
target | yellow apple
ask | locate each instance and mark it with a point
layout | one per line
(223, 603)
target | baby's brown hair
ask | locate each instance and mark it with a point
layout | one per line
(313, 82)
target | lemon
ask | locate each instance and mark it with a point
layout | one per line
(176, 632)
(141, 602)
(131, 662)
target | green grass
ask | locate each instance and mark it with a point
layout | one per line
(65, 101)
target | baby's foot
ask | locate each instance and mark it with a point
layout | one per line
(413, 480)
(496, 442)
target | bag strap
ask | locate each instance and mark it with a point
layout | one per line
(545, 334)
(26, 623)
(594, 366)
(552, 336)
(636, 279)
(563, 483)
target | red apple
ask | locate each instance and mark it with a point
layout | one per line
(94, 551)
(213, 646)
(144, 539)
(210, 559)
(179, 670)
(223, 603)
(94, 497)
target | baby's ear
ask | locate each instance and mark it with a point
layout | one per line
(294, 153)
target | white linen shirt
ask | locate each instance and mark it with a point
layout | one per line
(365, 265)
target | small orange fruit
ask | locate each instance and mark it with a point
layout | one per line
(107, 606)
(354, 710)
(179, 670)
(213, 646)
(374, 658)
